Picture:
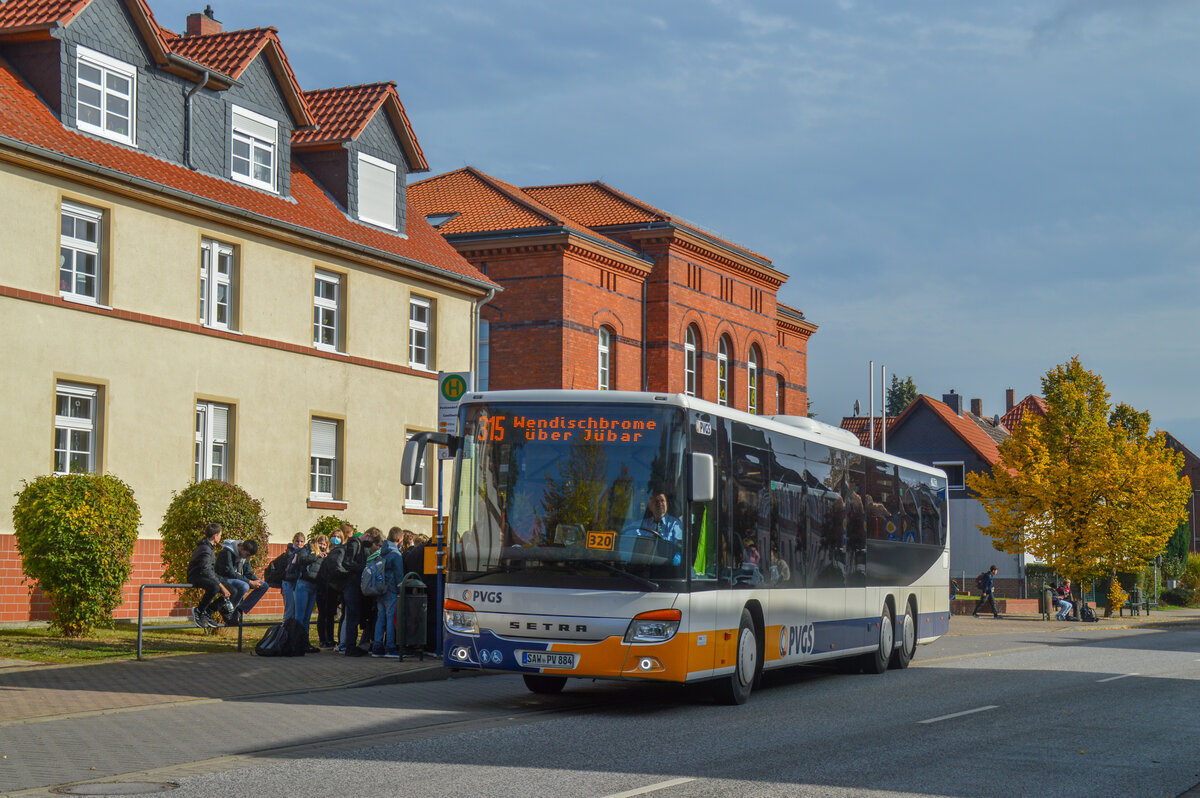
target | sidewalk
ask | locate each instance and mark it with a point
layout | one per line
(36, 693)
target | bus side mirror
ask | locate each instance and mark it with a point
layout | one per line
(702, 477)
(414, 450)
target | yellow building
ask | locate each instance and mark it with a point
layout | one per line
(208, 272)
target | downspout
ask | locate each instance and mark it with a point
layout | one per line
(645, 371)
(187, 120)
(479, 303)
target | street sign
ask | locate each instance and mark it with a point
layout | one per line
(452, 387)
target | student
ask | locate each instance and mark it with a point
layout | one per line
(309, 561)
(1062, 600)
(393, 573)
(988, 589)
(200, 574)
(245, 589)
(354, 557)
(288, 588)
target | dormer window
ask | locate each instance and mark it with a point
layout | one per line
(106, 95)
(436, 220)
(255, 145)
(376, 191)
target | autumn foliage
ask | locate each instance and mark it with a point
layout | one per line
(1088, 489)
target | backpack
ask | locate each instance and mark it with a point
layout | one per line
(981, 580)
(272, 642)
(295, 643)
(273, 575)
(1087, 614)
(332, 573)
(372, 582)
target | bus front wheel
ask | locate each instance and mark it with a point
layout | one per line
(908, 640)
(735, 689)
(877, 660)
(545, 685)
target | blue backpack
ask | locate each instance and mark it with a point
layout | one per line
(372, 582)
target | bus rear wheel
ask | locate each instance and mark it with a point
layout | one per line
(877, 660)
(735, 689)
(908, 640)
(544, 685)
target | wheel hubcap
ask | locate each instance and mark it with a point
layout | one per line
(747, 657)
(887, 636)
(910, 632)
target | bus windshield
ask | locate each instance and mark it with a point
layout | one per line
(585, 496)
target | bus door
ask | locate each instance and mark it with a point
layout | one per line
(705, 530)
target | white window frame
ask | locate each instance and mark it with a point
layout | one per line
(213, 451)
(70, 424)
(962, 470)
(109, 95)
(420, 333)
(77, 247)
(722, 371)
(327, 312)
(604, 359)
(418, 494)
(259, 134)
(212, 281)
(324, 439)
(373, 206)
(689, 361)
(752, 386)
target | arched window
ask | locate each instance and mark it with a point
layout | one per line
(689, 361)
(723, 371)
(604, 358)
(780, 408)
(752, 378)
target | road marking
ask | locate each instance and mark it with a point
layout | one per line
(960, 714)
(1114, 678)
(662, 785)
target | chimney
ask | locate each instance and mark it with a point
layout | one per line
(1010, 400)
(977, 407)
(953, 401)
(202, 24)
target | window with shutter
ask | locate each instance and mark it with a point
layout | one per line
(323, 465)
(376, 191)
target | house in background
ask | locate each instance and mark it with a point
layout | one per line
(1191, 470)
(211, 273)
(960, 442)
(603, 291)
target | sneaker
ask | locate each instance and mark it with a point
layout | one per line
(392, 655)
(313, 650)
(197, 618)
(377, 654)
(355, 652)
(209, 621)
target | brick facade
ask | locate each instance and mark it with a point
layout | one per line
(575, 259)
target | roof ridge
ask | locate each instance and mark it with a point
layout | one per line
(517, 195)
(380, 83)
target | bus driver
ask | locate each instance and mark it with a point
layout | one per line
(661, 523)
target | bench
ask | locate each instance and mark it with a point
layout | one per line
(1136, 603)
(141, 627)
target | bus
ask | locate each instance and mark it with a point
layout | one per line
(659, 537)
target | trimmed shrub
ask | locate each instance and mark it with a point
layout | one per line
(326, 525)
(200, 504)
(75, 534)
(1178, 597)
(1191, 572)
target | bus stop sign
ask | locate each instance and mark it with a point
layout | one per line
(452, 387)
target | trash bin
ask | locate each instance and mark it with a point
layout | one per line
(411, 614)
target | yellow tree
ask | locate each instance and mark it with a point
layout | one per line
(1086, 488)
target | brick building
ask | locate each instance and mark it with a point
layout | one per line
(602, 291)
(210, 273)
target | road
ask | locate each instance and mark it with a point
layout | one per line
(1083, 713)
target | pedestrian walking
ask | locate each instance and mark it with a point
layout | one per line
(987, 586)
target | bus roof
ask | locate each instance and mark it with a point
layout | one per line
(796, 426)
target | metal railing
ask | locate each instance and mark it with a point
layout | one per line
(141, 627)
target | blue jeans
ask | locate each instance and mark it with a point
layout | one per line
(1064, 609)
(385, 624)
(289, 599)
(238, 590)
(306, 599)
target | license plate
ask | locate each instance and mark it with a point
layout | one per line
(547, 659)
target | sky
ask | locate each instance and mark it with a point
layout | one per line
(965, 193)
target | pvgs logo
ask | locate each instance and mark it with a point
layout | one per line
(797, 640)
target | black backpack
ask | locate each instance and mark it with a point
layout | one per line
(295, 642)
(273, 575)
(333, 572)
(271, 643)
(980, 580)
(1087, 614)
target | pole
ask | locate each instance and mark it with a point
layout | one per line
(871, 399)
(440, 571)
(883, 406)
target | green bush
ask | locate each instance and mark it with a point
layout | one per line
(325, 525)
(1191, 572)
(1178, 597)
(200, 504)
(75, 534)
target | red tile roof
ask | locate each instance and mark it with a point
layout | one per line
(1030, 404)
(485, 203)
(966, 429)
(342, 114)
(38, 13)
(861, 426)
(598, 205)
(25, 118)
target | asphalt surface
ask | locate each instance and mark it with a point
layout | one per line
(73, 724)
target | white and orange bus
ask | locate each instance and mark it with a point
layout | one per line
(783, 542)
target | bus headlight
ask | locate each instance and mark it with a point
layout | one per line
(656, 626)
(460, 618)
